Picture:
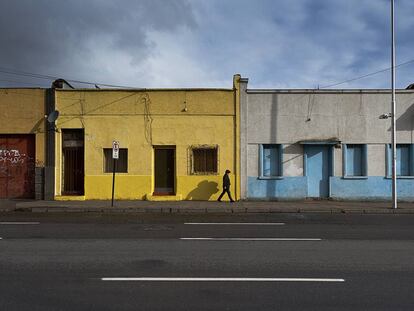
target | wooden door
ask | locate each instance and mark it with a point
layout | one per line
(164, 171)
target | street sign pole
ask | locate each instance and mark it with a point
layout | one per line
(113, 183)
(115, 156)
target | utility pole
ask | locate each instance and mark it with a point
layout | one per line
(394, 137)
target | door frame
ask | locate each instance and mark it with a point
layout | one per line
(62, 163)
(174, 188)
(331, 164)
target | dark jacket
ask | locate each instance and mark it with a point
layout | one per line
(226, 181)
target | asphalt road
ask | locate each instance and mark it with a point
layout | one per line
(287, 262)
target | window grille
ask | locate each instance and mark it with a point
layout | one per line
(205, 160)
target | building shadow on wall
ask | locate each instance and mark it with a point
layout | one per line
(406, 121)
(270, 184)
(204, 191)
(37, 127)
(292, 149)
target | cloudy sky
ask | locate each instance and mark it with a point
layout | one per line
(202, 43)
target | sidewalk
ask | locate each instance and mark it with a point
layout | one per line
(197, 207)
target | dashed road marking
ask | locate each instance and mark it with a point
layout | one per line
(252, 239)
(19, 223)
(237, 223)
(203, 279)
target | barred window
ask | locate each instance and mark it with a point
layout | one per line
(121, 163)
(205, 160)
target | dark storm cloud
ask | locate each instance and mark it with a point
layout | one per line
(310, 43)
(202, 43)
(60, 37)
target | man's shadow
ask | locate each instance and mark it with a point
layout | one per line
(204, 191)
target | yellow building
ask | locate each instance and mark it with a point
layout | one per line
(175, 144)
(22, 142)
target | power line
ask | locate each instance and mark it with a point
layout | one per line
(21, 82)
(50, 77)
(366, 75)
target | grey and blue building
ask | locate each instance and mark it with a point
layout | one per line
(299, 143)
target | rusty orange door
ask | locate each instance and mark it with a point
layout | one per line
(17, 166)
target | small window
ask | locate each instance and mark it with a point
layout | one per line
(405, 160)
(121, 163)
(271, 160)
(355, 160)
(205, 160)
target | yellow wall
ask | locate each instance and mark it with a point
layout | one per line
(22, 111)
(140, 120)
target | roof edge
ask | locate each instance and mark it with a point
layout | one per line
(333, 91)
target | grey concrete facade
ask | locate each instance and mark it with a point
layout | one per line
(294, 118)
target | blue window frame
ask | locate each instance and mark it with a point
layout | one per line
(355, 160)
(405, 160)
(271, 162)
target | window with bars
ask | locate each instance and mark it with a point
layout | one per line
(205, 160)
(121, 163)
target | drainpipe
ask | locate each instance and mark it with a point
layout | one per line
(50, 148)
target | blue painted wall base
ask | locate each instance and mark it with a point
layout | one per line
(295, 188)
(286, 188)
(371, 188)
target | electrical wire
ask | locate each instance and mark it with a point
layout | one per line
(50, 77)
(366, 75)
(21, 82)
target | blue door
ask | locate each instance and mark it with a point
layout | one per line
(318, 170)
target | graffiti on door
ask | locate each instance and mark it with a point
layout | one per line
(12, 156)
(17, 165)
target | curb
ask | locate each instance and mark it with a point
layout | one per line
(204, 210)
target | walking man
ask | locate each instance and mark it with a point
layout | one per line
(226, 186)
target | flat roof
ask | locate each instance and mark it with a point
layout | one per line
(23, 88)
(144, 89)
(326, 91)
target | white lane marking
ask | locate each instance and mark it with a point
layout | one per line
(1, 238)
(252, 239)
(195, 279)
(237, 223)
(19, 223)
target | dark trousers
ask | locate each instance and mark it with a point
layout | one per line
(225, 190)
